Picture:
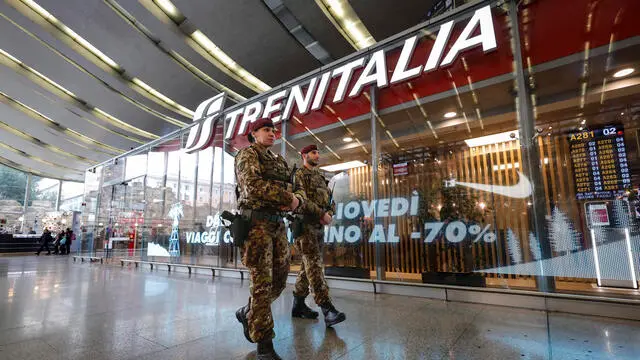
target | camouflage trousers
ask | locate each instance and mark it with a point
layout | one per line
(266, 255)
(311, 274)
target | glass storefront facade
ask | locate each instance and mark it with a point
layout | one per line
(495, 146)
(30, 203)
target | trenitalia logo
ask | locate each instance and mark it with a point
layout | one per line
(282, 102)
(202, 134)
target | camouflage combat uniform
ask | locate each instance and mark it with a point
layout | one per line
(262, 183)
(309, 244)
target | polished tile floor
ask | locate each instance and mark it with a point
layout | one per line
(52, 308)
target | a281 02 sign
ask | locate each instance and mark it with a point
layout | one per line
(282, 102)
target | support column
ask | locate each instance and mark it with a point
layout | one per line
(59, 197)
(375, 160)
(530, 151)
(27, 195)
(283, 143)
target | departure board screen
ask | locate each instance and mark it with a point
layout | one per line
(599, 160)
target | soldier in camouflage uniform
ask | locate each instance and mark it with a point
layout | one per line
(316, 213)
(264, 194)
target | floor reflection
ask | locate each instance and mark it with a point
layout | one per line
(52, 308)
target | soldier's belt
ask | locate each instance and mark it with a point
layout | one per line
(263, 215)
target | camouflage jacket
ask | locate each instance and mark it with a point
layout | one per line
(263, 179)
(316, 191)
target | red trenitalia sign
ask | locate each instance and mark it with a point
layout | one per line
(279, 106)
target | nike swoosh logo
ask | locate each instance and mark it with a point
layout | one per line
(521, 190)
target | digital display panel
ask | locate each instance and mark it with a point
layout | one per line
(599, 161)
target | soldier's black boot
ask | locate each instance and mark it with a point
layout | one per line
(331, 315)
(266, 351)
(241, 315)
(301, 310)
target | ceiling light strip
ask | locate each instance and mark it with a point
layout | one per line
(111, 65)
(34, 158)
(6, 127)
(102, 82)
(351, 133)
(12, 164)
(110, 150)
(314, 135)
(175, 56)
(54, 87)
(345, 19)
(216, 55)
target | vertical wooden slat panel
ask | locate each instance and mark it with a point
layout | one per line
(487, 179)
(460, 175)
(475, 177)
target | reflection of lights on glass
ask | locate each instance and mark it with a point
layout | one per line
(450, 114)
(529, 203)
(580, 128)
(584, 121)
(624, 72)
(343, 166)
(546, 161)
(347, 139)
(439, 207)
(100, 224)
(482, 205)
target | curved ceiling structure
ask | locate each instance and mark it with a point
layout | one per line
(82, 81)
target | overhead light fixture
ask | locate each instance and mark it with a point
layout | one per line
(220, 59)
(34, 114)
(343, 166)
(450, 114)
(493, 139)
(99, 113)
(347, 139)
(168, 7)
(163, 98)
(345, 19)
(232, 68)
(624, 72)
(105, 60)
